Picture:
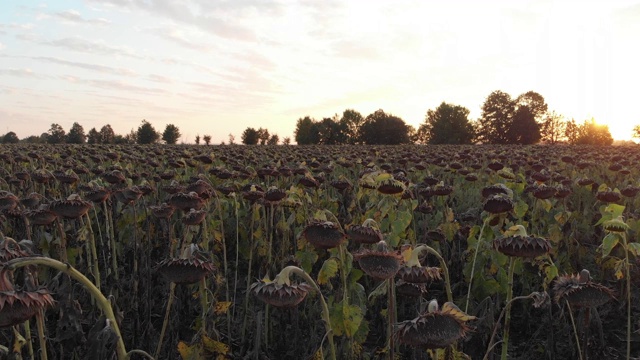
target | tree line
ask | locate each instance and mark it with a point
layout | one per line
(524, 119)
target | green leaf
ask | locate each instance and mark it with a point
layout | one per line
(634, 248)
(328, 271)
(551, 272)
(608, 243)
(520, 209)
(307, 259)
(352, 317)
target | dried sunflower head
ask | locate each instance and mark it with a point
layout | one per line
(323, 234)
(379, 263)
(580, 291)
(280, 294)
(435, 328)
(71, 208)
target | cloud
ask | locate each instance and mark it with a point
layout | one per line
(73, 16)
(159, 78)
(115, 85)
(93, 47)
(180, 37)
(87, 66)
(23, 73)
(221, 18)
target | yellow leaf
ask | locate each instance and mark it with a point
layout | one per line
(190, 352)
(221, 307)
(215, 347)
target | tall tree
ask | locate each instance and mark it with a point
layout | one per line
(553, 127)
(352, 121)
(447, 124)
(56, 134)
(171, 134)
(332, 131)
(198, 139)
(592, 133)
(250, 136)
(10, 138)
(307, 131)
(263, 136)
(146, 134)
(273, 140)
(529, 110)
(382, 128)
(93, 137)
(76, 134)
(496, 118)
(107, 135)
(207, 139)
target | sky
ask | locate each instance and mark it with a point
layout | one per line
(217, 67)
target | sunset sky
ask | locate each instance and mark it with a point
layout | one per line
(217, 67)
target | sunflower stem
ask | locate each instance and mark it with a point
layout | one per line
(445, 269)
(507, 318)
(325, 309)
(575, 329)
(95, 293)
(172, 288)
(473, 265)
(628, 280)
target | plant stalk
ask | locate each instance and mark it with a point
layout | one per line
(101, 301)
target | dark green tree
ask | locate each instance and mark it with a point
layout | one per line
(171, 134)
(447, 124)
(76, 134)
(526, 124)
(307, 131)
(10, 138)
(93, 137)
(146, 133)
(250, 136)
(207, 139)
(107, 135)
(263, 136)
(332, 131)
(496, 118)
(273, 140)
(56, 134)
(352, 121)
(381, 128)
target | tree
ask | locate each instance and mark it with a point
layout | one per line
(332, 131)
(198, 139)
(93, 137)
(263, 136)
(250, 136)
(529, 109)
(636, 131)
(524, 129)
(76, 134)
(307, 131)
(171, 134)
(10, 138)
(286, 141)
(232, 139)
(352, 121)
(273, 140)
(495, 120)
(207, 139)
(56, 134)
(553, 127)
(588, 133)
(146, 134)
(507, 121)
(381, 128)
(107, 135)
(447, 124)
